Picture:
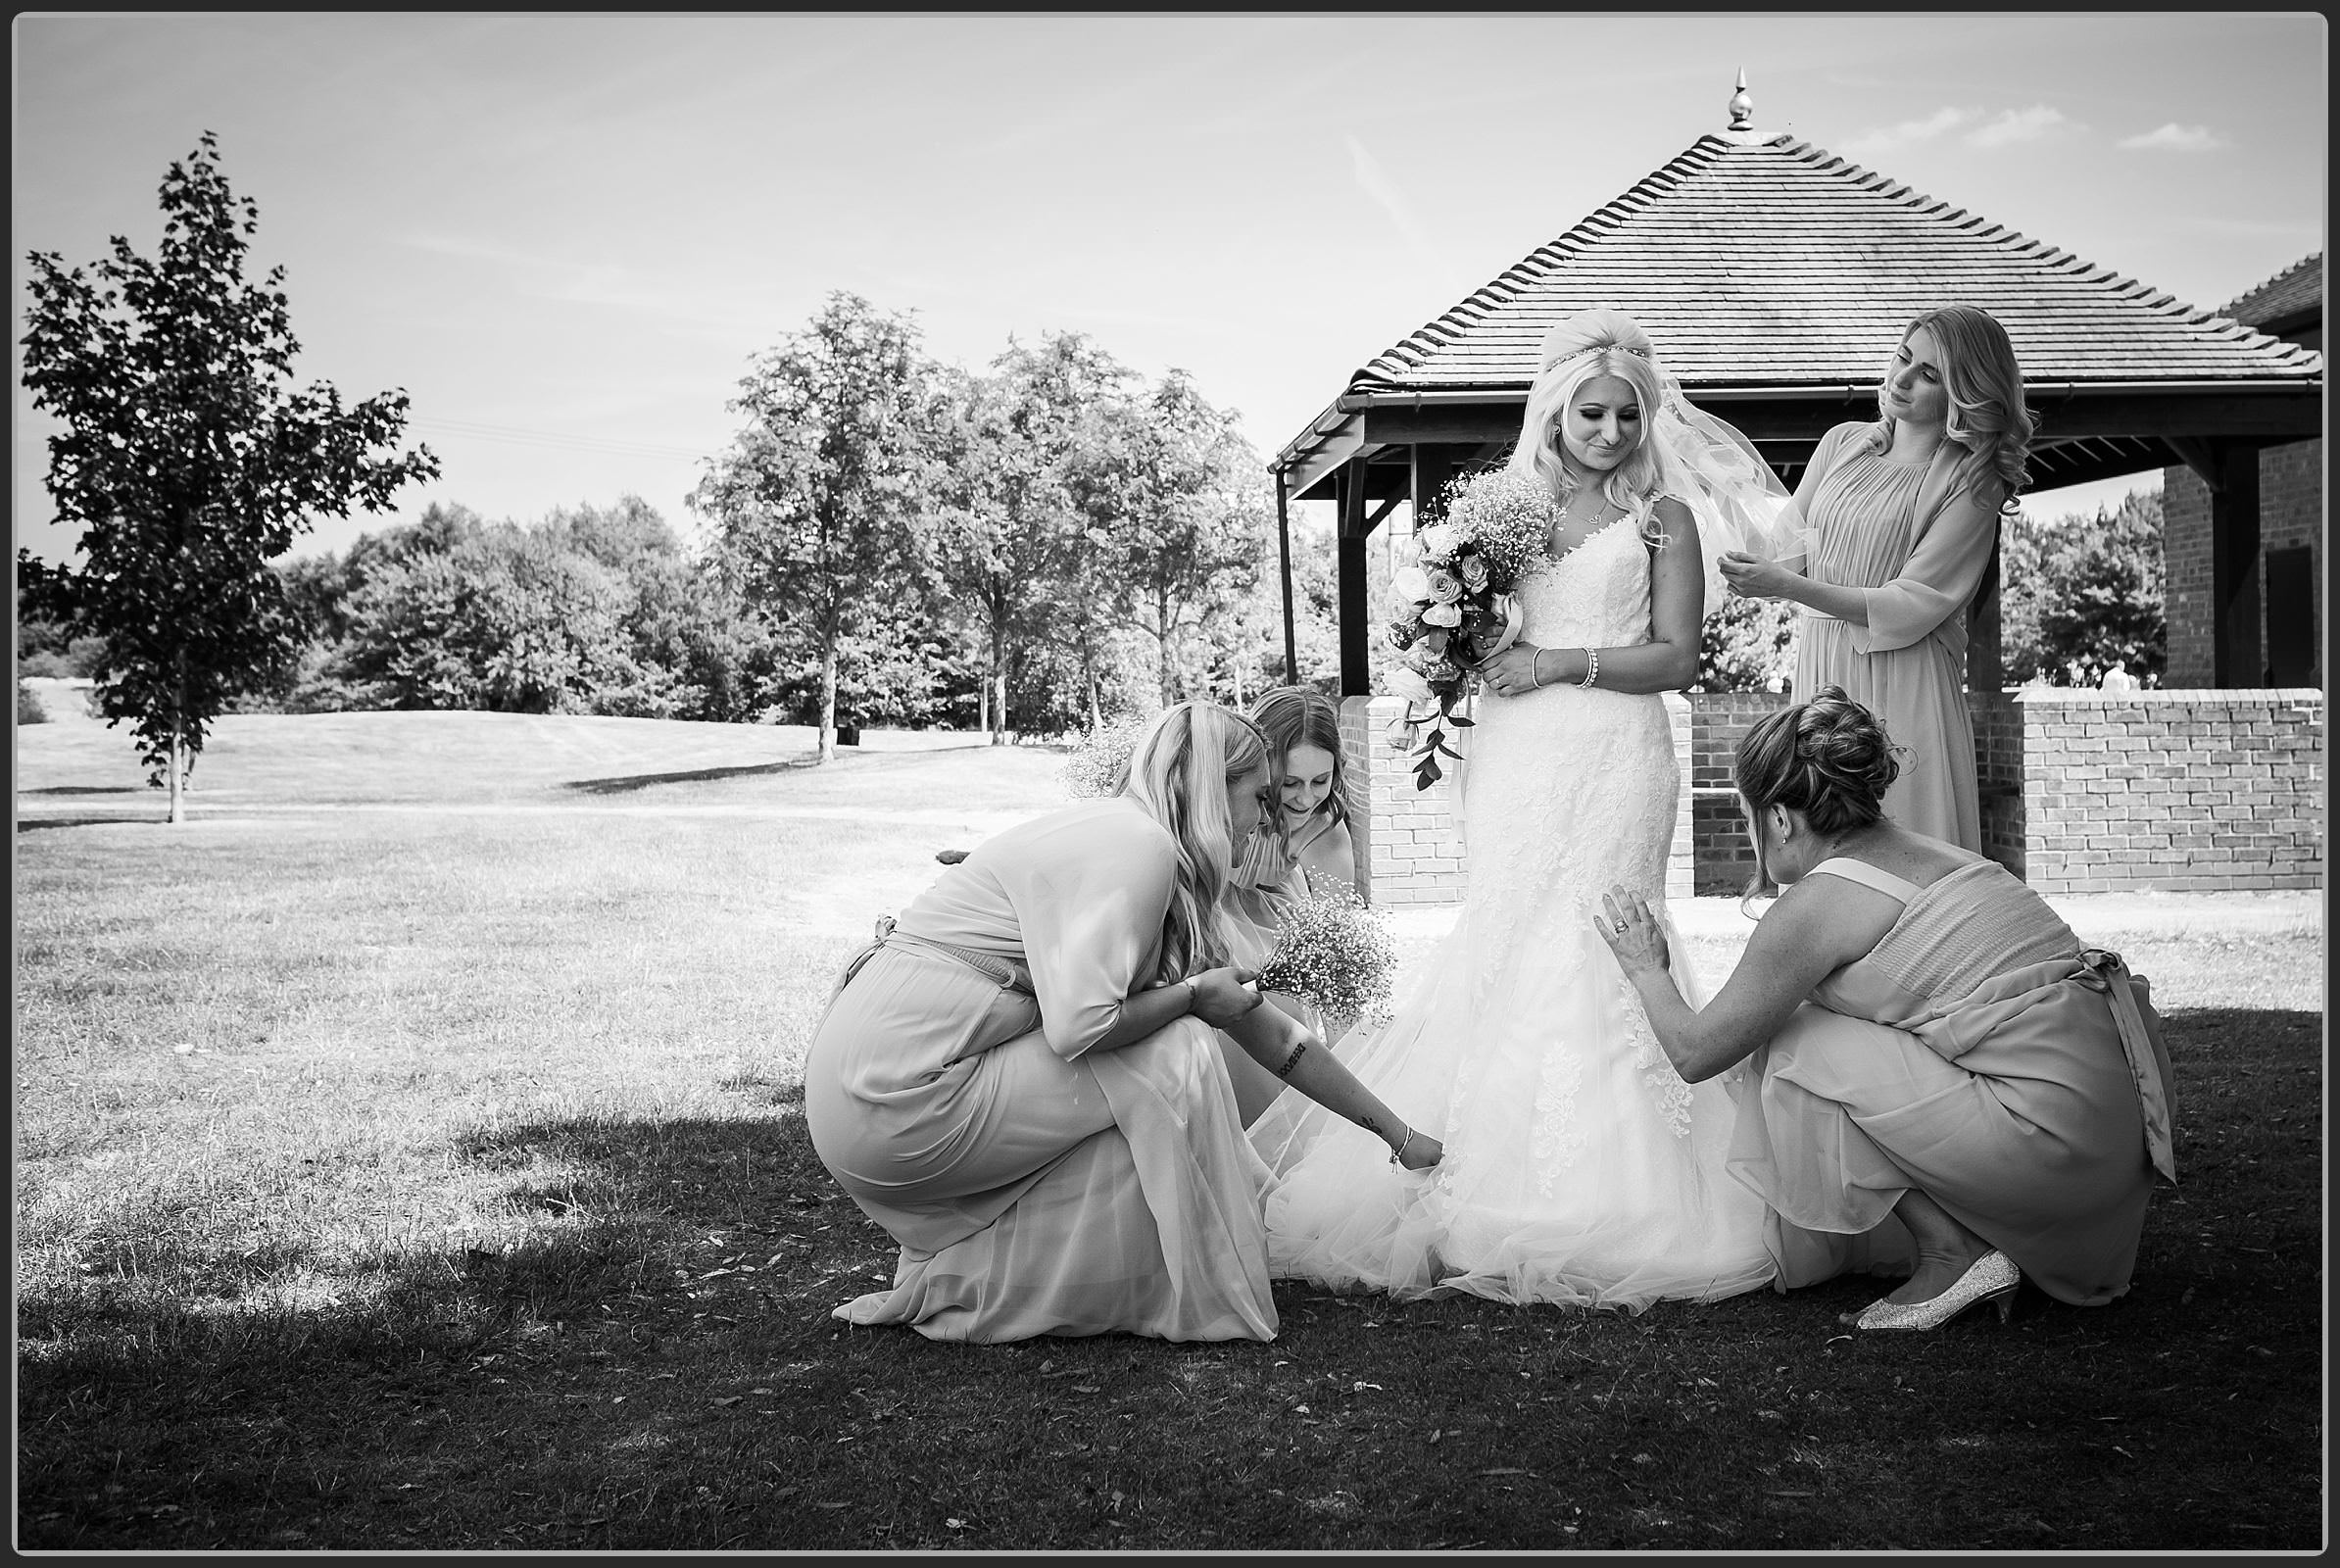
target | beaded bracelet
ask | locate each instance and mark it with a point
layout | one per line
(1591, 666)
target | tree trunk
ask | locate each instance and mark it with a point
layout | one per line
(998, 673)
(1161, 642)
(178, 769)
(983, 705)
(828, 694)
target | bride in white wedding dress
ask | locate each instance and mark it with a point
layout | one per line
(1579, 1167)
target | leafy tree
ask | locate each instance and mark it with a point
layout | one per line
(1006, 538)
(1171, 492)
(2080, 594)
(812, 502)
(189, 463)
(1748, 645)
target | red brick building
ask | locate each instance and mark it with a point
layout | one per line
(2286, 579)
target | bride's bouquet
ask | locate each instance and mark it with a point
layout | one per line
(1333, 952)
(1461, 599)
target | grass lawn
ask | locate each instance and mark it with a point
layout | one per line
(409, 1156)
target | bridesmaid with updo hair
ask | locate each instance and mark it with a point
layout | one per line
(1932, 1073)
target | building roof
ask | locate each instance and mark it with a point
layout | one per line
(1759, 261)
(2294, 293)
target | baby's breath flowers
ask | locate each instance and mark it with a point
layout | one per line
(1099, 761)
(1332, 953)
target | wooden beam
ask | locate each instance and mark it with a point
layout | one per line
(1356, 669)
(1292, 657)
(2197, 455)
(1432, 466)
(1986, 668)
(2235, 657)
(1388, 505)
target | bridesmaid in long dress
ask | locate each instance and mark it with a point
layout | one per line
(1966, 1086)
(1021, 1081)
(1303, 849)
(1899, 519)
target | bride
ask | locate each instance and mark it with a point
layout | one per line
(1579, 1167)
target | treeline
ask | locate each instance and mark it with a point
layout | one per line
(1036, 547)
(887, 541)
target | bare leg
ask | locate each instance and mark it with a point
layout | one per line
(1946, 1249)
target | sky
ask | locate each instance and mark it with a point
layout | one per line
(568, 236)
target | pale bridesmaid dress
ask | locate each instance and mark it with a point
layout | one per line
(1039, 1185)
(1884, 526)
(1979, 1054)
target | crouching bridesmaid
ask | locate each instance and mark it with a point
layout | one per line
(1939, 1076)
(1021, 1079)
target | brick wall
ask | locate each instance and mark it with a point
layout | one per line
(2290, 513)
(2186, 609)
(1409, 848)
(1724, 859)
(2172, 791)
(2082, 792)
(1999, 777)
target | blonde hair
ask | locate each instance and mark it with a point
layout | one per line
(1179, 771)
(1986, 385)
(1586, 346)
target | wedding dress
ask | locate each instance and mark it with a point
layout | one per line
(1578, 1168)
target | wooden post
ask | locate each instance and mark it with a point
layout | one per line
(1348, 488)
(1986, 668)
(1431, 469)
(1292, 657)
(2235, 655)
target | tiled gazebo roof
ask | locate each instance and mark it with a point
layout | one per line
(1773, 262)
(2295, 291)
(1761, 264)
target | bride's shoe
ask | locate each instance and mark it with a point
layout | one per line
(1992, 1278)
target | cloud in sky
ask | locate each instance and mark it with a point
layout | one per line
(2175, 138)
(1884, 138)
(2013, 125)
(1974, 127)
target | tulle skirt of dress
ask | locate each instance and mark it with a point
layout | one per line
(1580, 1168)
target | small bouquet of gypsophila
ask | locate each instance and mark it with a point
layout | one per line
(1333, 952)
(1099, 761)
(1459, 601)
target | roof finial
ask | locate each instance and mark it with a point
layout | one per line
(1742, 107)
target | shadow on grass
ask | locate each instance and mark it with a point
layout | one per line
(653, 1367)
(34, 825)
(630, 782)
(90, 789)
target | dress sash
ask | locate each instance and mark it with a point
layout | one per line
(1953, 1028)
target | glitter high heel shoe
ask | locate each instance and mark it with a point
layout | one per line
(1992, 1278)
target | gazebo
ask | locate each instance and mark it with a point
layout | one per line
(1775, 278)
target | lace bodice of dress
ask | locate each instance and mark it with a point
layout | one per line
(1596, 595)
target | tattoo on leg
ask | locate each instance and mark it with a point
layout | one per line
(1372, 1126)
(1293, 1061)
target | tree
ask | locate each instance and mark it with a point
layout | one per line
(812, 502)
(1006, 537)
(2082, 594)
(1170, 489)
(189, 463)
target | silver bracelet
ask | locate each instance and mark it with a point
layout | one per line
(1591, 666)
(1398, 1155)
(1536, 666)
